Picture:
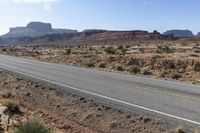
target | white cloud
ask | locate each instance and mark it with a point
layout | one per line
(31, 1)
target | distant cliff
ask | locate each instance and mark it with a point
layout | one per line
(179, 33)
(91, 36)
(35, 29)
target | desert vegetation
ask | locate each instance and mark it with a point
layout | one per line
(171, 60)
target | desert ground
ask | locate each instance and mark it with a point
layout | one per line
(65, 112)
(169, 60)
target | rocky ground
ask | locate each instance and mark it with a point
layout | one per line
(67, 113)
(173, 60)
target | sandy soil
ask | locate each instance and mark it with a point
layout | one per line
(70, 113)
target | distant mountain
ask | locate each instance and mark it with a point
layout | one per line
(179, 33)
(87, 37)
(198, 34)
(35, 29)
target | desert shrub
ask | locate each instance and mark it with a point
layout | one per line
(196, 51)
(124, 50)
(102, 65)
(179, 129)
(68, 51)
(128, 46)
(141, 50)
(163, 73)
(4, 50)
(89, 64)
(90, 48)
(110, 50)
(147, 72)
(194, 55)
(134, 69)
(163, 48)
(176, 76)
(119, 68)
(32, 127)
(12, 105)
(103, 47)
(134, 62)
(120, 47)
(170, 65)
(156, 57)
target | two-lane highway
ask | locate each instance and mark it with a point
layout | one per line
(165, 98)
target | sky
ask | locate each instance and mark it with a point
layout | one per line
(148, 15)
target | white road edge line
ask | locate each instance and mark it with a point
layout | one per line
(105, 97)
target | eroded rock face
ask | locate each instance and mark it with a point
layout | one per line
(179, 33)
(40, 27)
(35, 29)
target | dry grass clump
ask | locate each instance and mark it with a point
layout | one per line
(32, 127)
(179, 129)
(11, 104)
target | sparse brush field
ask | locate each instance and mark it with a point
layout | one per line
(178, 60)
(35, 107)
(28, 101)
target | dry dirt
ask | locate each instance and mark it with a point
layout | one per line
(71, 113)
(178, 60)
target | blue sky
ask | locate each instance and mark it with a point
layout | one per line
(149, 15)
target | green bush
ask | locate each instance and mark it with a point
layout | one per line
(68, 51)
(32, 127)
(110, 50)
(163, 48)
(123, 51)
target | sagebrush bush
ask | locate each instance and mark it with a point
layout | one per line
(110, 50)
(119, 68)
(147, 72)
(12, 105)
(102, 65)
(68, 51)
(134, 69)
(176, 76)
(32, 127)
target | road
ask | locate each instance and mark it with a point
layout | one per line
(166, 99)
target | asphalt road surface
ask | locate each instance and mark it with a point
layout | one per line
(166, 99)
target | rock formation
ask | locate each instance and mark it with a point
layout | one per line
(179, 33)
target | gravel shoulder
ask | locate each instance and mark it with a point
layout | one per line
(70, 112)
